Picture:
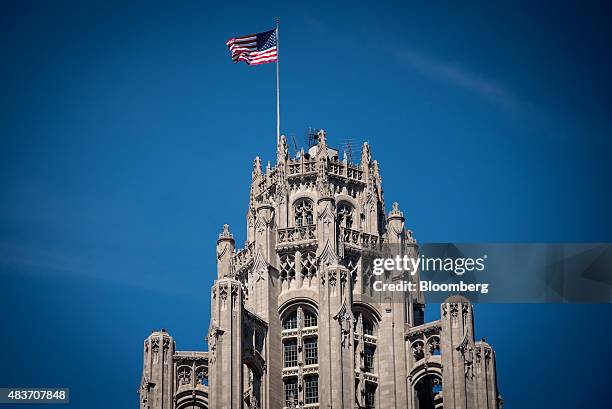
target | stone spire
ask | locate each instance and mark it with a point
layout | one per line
(256, 175)
(395, 224)
(282, 150)
(225, 252)
(366, 156)
(395, 212)
(322, 135)
(323, 165)
(225, 234)
(257, 172)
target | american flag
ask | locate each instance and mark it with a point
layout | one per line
(254, 49)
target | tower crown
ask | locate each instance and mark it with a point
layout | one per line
(298, 307)
(319, 172)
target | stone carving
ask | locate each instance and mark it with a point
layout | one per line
(328, 256)
(418, 350)
(214, 337)
(433, 345)
(155, 349)
(345, 320)
(297, 234)
(184, 375)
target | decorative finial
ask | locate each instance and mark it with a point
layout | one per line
(225, 234)
(257, 167)
(282, 150)
(366, 156)
(395, 211)
(321, 135)
(375, 168)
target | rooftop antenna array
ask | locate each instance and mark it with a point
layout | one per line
(312, 137)
(347, 146)
(295, 147)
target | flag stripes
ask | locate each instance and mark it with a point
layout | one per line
(254, 49)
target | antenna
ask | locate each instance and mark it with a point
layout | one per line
(347, 146)
(311, 137)
(295, 147)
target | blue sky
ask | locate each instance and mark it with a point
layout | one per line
(127, 138)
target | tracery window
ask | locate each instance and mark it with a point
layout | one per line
(287, 266)
(345, 215)
(433, 345)
(184, 375)
(300, 348)
(202, 376)
(309, 264)
(303, 210)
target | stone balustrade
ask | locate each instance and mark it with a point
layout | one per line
(360, 239)
(297, 234)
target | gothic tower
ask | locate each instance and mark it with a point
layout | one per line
(295, 321)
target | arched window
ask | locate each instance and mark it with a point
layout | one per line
(310, 318)
(433, 345)
(345, 215)
(428, 392)
(300, 348)
(184, 375)
(202, 376)
(365, 322)
(290, 321)
(368, 326)
(303, 212)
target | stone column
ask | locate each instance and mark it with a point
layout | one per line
(225, 334)
(225, 345)
(457, 348)
(157, 386)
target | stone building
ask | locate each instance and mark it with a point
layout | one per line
(295, 322)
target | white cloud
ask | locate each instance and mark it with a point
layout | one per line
(458, 76)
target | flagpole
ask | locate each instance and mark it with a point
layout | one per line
(277, 85)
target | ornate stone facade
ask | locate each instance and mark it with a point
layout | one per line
(295, 322)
